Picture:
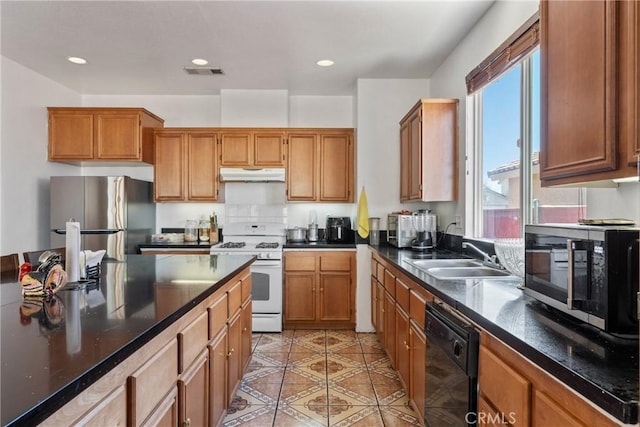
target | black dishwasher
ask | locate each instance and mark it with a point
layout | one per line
(451, 381)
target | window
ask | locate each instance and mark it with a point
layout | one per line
(504, 144)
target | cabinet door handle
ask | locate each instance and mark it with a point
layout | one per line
(321, 289)
(187, 422)
(244, 329)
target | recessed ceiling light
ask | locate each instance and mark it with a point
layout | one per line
(199, 61)
(77, 60)
(325, 63)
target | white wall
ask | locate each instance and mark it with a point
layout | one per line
(24, 169)
(500, 21)
(621, 202)
(381, 103)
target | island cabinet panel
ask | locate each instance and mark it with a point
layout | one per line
(526, 395)
(218, 396)
(185, 375)
(428, 151)
(166, 413)
(590, 89)
(79, 135)
(320, 165)
(319, 289)
(234, 356)
(148, 385)
(193, 392)
(186, 165)
(191, 341)
(218, 315)
(110, 411)
(247, 322)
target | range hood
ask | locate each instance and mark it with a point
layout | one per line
(252, 175)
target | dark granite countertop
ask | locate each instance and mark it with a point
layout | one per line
(50, 356)
(602, 368)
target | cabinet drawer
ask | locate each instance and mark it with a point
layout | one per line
(380, 273)
(417, 307)
(246, 287)
(152, 381)
(402, 295)
(300, 262)
(546, 412)
(335, 262)
(235, 298)
(511, 394)
(374, 268)
(390, 283)
(218, 315)
(191, 341)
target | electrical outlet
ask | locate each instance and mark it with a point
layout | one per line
(458, 221)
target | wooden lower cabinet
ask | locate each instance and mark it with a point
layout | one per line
(111, 411)
(234, 355)
(193, 393)
(525, 395)
(403, 356)
(148, 385)
(319, 289)
(166, 413)
(380, 310)
(218, 396)
(390, 342)
(246, 320)
(186, 375)
(417, 368)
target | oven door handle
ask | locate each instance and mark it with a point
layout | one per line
(570, 273)
(261, 263)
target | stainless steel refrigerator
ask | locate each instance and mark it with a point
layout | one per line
(116, 213)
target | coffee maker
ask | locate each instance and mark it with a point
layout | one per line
(425, 224)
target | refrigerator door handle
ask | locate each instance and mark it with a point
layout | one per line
(92, 231)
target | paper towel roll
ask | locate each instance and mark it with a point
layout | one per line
(72, 261)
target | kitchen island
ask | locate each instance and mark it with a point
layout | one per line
(56, 351)
(601, 368)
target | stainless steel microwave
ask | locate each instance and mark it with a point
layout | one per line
(588, 272)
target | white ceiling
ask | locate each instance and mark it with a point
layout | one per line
(142, 47)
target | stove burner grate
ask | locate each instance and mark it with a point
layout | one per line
(267, 245)
(233, 245)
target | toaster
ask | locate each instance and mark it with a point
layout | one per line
(400, 230)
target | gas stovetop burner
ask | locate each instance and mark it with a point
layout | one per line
(267, 245)
(233, 245)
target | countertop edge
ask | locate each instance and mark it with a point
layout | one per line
(625, 411)
(61, 397)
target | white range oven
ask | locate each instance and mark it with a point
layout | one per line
(264, 241)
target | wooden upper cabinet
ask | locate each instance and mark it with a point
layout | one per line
(336, 167)
(429, 152)
(252, 148)
(186, 165)
(630, 80)
(302, 166)
(589, 91)
(101, 134)
(320, 165)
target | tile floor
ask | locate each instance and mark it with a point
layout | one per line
(319, 378)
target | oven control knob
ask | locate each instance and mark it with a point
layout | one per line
(265, 255)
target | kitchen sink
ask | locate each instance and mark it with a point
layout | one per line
(425, 264)
(477, 272)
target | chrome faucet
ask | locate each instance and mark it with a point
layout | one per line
(488, 260)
